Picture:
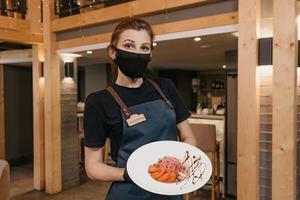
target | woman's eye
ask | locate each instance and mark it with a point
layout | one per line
(145, 48)
(128, 46)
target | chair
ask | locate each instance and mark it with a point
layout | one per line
(206, 141)
(81, 147)
(4, 180)
(106, 151)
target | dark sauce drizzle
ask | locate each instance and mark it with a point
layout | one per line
(194, 165)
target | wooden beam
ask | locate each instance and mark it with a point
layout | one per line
(164, 28)
(34, 16)
(284, 100)
(196, 23)
(2, 121)
(20, 37)
(23, 53)
(248, 101)
(14, 24)
(15, 56)
(18, 30)
(52, 104)
(117, 12)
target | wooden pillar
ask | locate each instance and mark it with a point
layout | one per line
(38, 119)
(248, 101)
(2, 121)
(284, 100)
(52, 103)
(34, 16)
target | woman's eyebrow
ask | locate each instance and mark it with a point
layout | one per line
(146, 43)
(128, 40)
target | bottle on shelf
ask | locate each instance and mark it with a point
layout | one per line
(199, 108)
(221, 85)
(217, 84)
(203, 84)
(213, 85)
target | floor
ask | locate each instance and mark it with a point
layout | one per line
(22, 188)
(21, 180)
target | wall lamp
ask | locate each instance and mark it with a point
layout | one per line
(265, 49)
(69, 69)
(42, 69)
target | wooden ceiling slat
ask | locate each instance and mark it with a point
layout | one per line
(164, 28)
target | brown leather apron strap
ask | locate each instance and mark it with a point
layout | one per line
(156, 86)
(119, 101)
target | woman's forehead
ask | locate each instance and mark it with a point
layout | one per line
(137, 36)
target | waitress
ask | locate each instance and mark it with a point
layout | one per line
(133, 112)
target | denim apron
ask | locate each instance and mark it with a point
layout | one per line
(160, 125)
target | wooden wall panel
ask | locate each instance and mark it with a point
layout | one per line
(69, 134)
(265, 74)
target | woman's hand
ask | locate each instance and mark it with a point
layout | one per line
(96, 169)
(185, 133)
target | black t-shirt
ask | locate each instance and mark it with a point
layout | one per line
(102, 114)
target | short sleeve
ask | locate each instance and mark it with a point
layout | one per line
(181, 110)
(94, 129)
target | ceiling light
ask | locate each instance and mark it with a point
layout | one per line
(75, 55)
(197, 39)
(89, 52)
(224, 66)
(154, 44)
(236, 34)
(69, 57)
(205, 46)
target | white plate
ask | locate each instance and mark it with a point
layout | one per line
(143, 157)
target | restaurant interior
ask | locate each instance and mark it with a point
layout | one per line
(233, 62)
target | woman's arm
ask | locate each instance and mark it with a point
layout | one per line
(97, 170)
(185, 133)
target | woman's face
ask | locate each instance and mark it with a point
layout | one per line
(134, 41)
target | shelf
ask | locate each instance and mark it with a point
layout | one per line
(211, 90)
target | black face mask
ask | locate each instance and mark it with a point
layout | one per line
(132, 64)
